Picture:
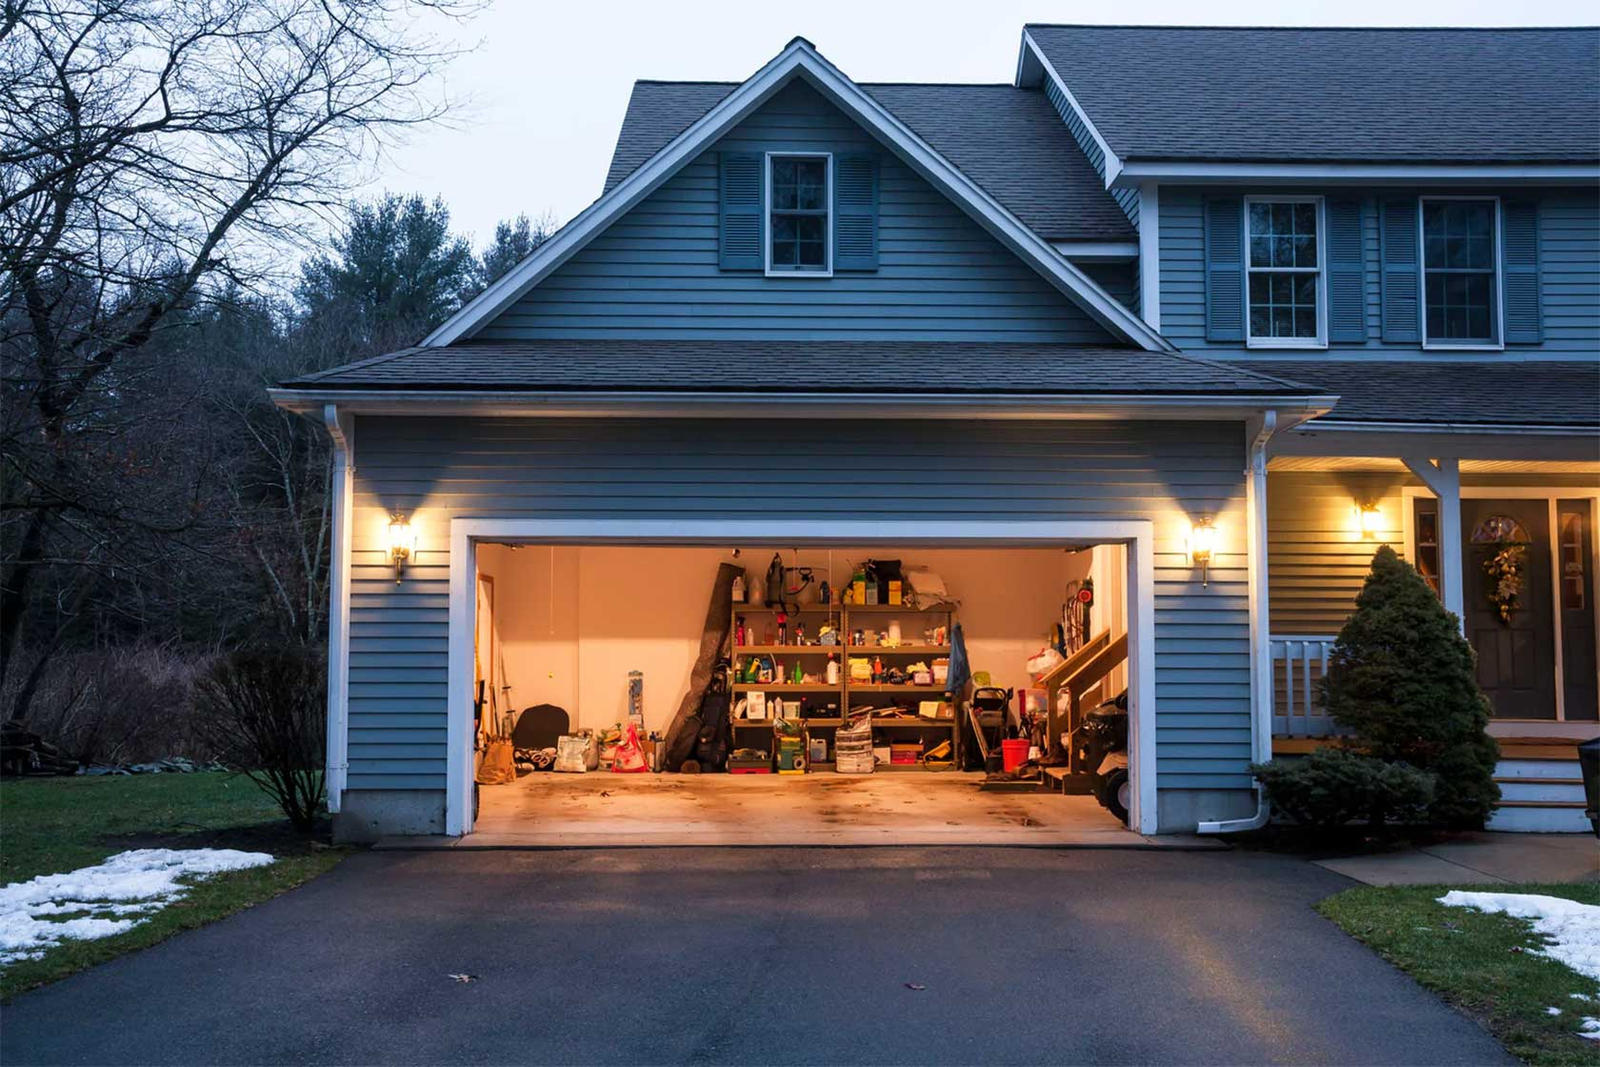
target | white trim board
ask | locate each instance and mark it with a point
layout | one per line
(1431, 174)
(801, 60)
(687, 404)
(1029, 56)
(1137, 534)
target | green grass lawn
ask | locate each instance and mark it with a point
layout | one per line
(1480, 963)
(54, 825)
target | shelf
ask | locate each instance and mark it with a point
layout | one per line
(923, 724)
(803, 609)
(776, 650)
(932, 692)
(903, 609)
(903, 650)
(765, 723)
(822, 722)
(783, 687)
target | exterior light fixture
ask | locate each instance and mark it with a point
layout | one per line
(1202, 541)
(1371, 518)
(402, 544)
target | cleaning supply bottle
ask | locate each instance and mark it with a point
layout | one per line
(833, 669)
(877, 670)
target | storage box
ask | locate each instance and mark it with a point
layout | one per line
(904, 755)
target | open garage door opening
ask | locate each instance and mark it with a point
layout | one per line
(835, 693)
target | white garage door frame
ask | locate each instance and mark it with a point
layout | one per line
(1137, 534)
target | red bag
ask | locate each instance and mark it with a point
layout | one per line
(630, 753)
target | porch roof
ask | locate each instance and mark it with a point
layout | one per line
(859, 367)
(1452, 392)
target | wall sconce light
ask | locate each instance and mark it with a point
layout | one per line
(1371, 518)
(402, 544)
(1202, 541)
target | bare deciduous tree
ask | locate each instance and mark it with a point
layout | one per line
(151, 153)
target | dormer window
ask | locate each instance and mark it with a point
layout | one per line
(799, 192)
(1283, 243)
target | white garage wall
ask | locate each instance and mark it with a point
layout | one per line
(574, 621)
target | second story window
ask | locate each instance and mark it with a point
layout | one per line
(799, 194)
(1458, 268)
(1284, 247)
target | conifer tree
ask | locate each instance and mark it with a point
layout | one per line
(1401, 679)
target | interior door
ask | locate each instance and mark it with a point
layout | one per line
(1516, 656)
(1575, 558)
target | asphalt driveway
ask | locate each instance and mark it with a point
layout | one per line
(753, 955)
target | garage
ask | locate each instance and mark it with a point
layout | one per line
(822, 642)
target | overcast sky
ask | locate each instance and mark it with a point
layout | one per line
(548, 83)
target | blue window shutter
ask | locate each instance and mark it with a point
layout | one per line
(855, 213)
(1520, 272)
(1397, 225)
(739, 187)
(1224, 218)
(1347, 314)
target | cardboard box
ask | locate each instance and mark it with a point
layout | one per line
(904, 755)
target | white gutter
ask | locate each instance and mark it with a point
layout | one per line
(1259, 433)
(1198, 173)
(341, 430)
(1508, 428)
(792, 405)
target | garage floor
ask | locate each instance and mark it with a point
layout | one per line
(604, 809)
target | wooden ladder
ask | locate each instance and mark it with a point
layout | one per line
(1076, 675)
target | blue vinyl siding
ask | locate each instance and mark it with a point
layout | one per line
(439, 469)
(1569, 271)
(1127, 199)
(654, 272)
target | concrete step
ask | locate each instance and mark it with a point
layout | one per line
(1537, 768)
(1535, 817)
(1540, 789)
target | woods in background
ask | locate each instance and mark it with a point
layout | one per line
(163, 166)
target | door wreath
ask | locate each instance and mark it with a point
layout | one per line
(1505, 542)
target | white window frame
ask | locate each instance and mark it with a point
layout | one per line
(1321, 340)
(766, 216)
(1496, 345)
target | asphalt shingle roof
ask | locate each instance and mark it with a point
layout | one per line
(1312, 95)
(834, 366)
(1520, 393)
(1010, 141)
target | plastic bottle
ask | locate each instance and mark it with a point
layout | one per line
(877, 670)
(833, 669)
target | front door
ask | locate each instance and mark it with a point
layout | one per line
(1506, 555)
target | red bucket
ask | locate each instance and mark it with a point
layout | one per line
(1014, 753)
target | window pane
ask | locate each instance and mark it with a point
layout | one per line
(1260, 218)
(1260, 251)
(1459, 261)
(1283, 304)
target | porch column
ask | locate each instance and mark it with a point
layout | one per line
(1443, 479)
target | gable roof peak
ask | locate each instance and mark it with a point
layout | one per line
(801, 59)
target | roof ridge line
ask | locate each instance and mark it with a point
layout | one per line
(1307, 29)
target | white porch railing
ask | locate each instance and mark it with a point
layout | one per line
(1298, 664)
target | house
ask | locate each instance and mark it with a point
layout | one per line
(1235, 306)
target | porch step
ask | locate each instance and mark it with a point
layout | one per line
(1540, 817)
(1540, 790)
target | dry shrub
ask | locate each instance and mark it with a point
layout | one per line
(123, 705)
(263, 712)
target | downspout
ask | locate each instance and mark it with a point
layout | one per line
(1258, 434)
(338, 607)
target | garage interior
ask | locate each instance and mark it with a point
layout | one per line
(838, 725)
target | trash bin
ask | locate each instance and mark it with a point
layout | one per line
(1589, 760)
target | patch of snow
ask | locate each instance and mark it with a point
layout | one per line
(117, 895)
(1589, 1028)
(1571, 929)
(1552, 1011)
